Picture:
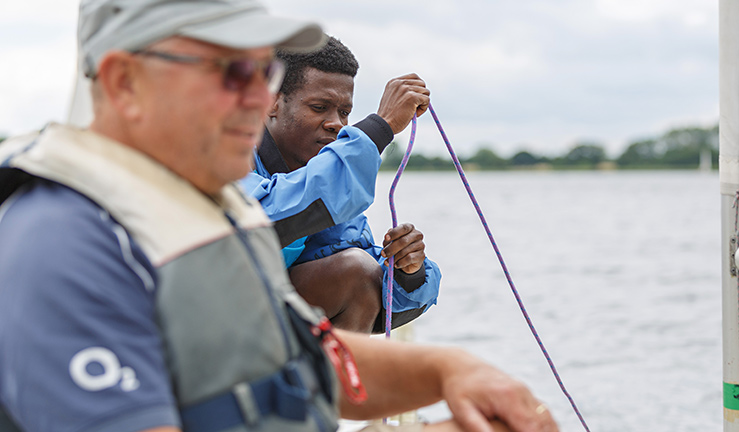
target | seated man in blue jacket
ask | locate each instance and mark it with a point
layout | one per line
(315, 176)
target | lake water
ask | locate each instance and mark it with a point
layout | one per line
(619, 271)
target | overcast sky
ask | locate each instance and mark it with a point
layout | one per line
(540, 75)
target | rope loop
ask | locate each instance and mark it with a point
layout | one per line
(394, 218)
(460, 171)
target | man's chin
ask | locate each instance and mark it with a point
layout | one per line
(245, 168)
(236, 168)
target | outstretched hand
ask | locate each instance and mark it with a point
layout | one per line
(405, 243)
(404, 96)
(478, 393)
(402, 377)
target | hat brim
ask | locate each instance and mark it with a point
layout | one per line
(257, 29)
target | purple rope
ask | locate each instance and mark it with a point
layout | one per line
(394, 216)
(521, 306)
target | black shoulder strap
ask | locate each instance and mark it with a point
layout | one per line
(10, 180)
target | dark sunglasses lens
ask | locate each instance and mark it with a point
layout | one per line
(238, 73)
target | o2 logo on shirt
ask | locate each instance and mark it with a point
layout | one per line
(97, 368)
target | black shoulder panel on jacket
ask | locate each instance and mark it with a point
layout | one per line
(313, 219)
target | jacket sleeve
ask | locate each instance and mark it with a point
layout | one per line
(417, 291)
(407, 298)
(409, 302)
(335, 186)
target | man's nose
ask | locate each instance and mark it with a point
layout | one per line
(333, 123)
(256, 93)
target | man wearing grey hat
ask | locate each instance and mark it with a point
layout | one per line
(139, 290)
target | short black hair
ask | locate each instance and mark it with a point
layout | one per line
(332, 57)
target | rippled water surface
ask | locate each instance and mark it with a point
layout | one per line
(620, 272)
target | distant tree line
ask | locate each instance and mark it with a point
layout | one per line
(677, 149)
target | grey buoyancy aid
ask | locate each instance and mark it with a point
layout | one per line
(236, 338)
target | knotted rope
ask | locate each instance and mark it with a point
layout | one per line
(389, 286)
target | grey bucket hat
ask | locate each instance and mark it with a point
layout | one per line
(130, 25)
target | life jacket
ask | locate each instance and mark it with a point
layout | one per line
(237, 338)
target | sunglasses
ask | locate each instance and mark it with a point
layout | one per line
(237, 73)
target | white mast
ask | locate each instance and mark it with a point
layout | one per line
(729, 179)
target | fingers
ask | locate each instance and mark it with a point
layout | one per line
(410, 259)
(398, 232)
(471, 419)
(405, 244)
(538, 418)
(421, 109)
(539, 421)
(490, 393)
(521, 411)
(544, 419)
(454, 426)
(404, 96)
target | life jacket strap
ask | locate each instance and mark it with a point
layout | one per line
(286, 393)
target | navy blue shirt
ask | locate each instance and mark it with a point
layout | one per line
(79, 345)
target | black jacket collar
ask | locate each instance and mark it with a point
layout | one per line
(271, 156)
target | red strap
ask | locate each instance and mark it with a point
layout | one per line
(343, 361)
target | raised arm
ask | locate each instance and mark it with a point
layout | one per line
(337, 183)
(335, 186)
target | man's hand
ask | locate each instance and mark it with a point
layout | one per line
(478, 393)
(454, 426)
(405, 243)
(403, 97)
(401, 377)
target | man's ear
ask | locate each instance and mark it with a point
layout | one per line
(279, 100)
(117, 75)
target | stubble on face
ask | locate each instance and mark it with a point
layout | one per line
(311, 117)
(245, 129)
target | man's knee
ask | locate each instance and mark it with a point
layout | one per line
(360, 268)
(347, 285)
(335, 282)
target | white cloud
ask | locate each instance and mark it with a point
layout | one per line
(37, 48)
(38, 11)
(537, 72)
(691, 12)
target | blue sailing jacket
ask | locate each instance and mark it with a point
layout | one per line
(317, 209)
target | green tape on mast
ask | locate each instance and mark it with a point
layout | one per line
(731, 396)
